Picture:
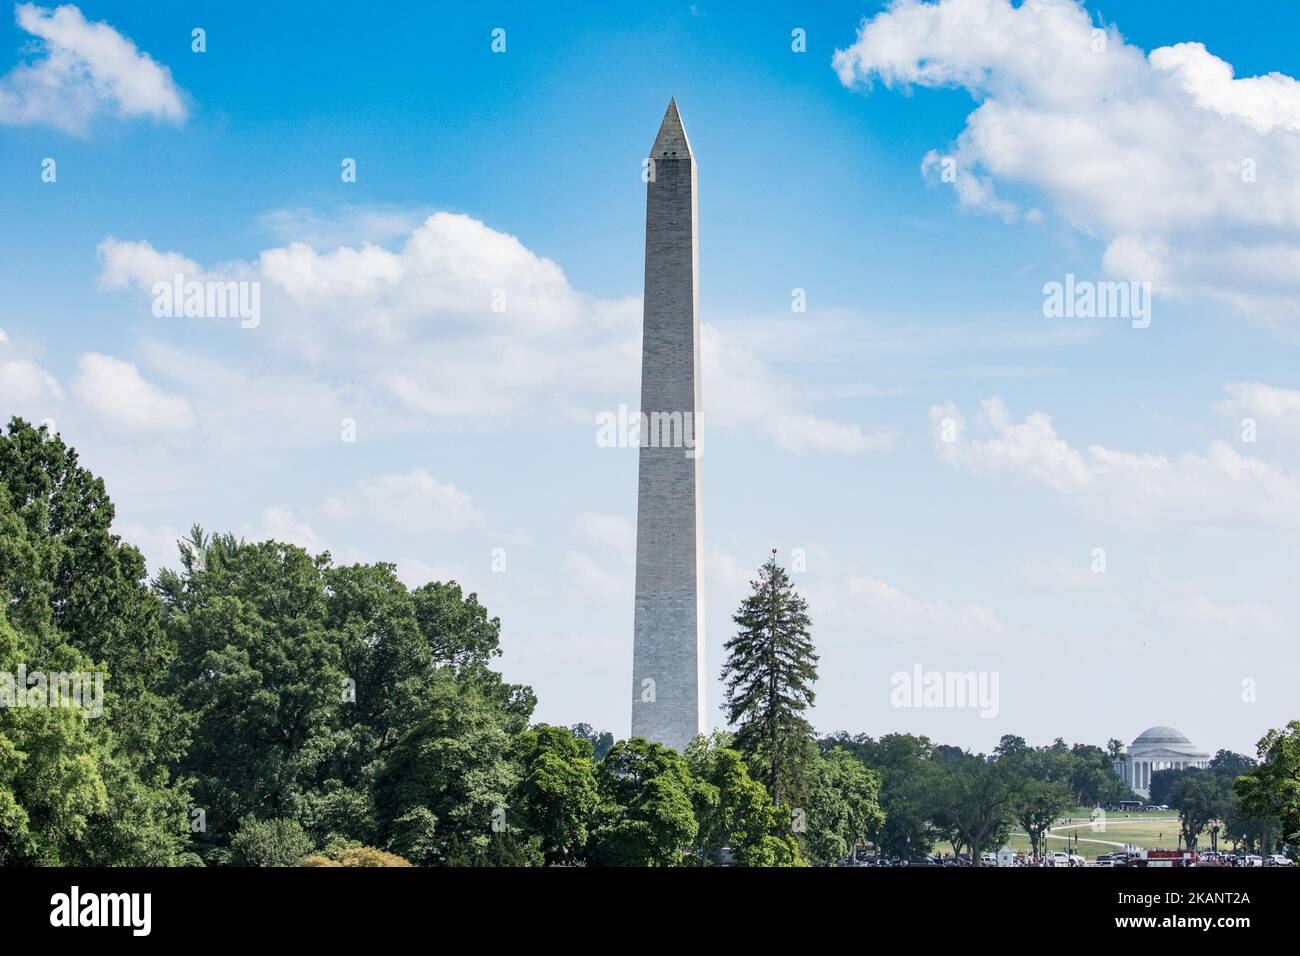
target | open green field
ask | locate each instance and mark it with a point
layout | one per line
(1148, 831)
(1112, 834)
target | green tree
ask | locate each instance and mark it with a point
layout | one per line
(269, 843)
(259, 669)
(602, 742)
(770, 669)
(909, 777)
(1037, 804)
(1199, 797)
(844, 806)
(974, 803)
(456, 626)
(646, 815)
(445, 786)
(76, 787)
(1165, 782)
(1092, 777)
(1273, 788)
(733, 810)
(556, 796)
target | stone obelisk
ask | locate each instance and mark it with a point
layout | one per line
(668, 627)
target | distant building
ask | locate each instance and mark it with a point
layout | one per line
(1159, 748)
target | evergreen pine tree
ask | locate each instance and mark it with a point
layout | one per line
(770, 670)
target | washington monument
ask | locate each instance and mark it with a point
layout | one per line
(668, 626)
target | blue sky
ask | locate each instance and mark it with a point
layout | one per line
(476, 431)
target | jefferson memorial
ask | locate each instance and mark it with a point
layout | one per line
(1159, 748)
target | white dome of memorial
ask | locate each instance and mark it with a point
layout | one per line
(1157, 748)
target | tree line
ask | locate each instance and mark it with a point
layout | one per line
(264, 706)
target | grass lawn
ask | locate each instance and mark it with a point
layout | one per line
(1147, 830)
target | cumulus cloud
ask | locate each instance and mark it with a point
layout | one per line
(26, 388)
(462, 325)
(282, 525)
(24, 385)
(81, 70)
(888, 608)
(1262, 401)
(1031, 447)
(1183, 170)
(122, 264)
(851, 604)
(740, 389)
(1220, 484)
(414, 500)
(117, 392)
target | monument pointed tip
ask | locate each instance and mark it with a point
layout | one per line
(671, 143)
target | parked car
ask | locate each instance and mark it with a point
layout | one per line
(1279, 859)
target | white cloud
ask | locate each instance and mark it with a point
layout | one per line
(1219, 485)
(610, 581)
(809, 433)
(1031, 447)
(1184, 171)
(449, 265)
(122, 264)
(726, 575)
(1199, 611)
(116, 392)
(81, 70)
(850, 604)
(610, 531)
(887, 608)
(159, 546)
(25, 385)
(414, 573)
(465, 326)
(413, 500)
(253, 405)
(282, 525)
(1262, 401)
(739, 389)
(347, 226)
(611, 577)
